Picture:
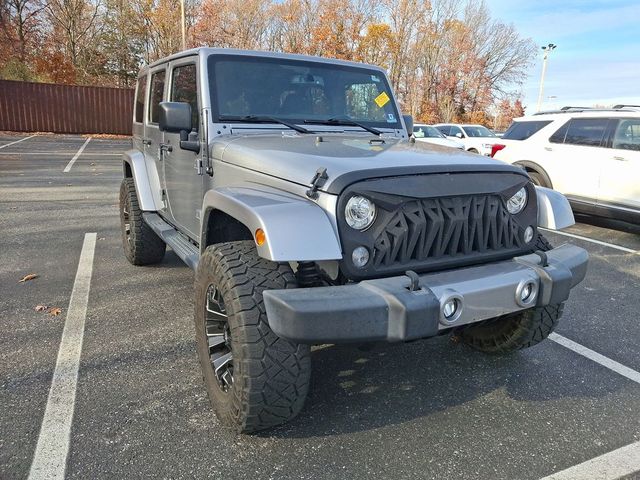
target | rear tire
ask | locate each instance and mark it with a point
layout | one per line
(264, 379)
(141, 244)
(473, 150)
(515, 331)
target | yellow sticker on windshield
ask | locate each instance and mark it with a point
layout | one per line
(382, 99)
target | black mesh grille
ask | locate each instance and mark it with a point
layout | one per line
(435, 228)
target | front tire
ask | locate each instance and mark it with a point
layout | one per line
(255, 379)
(141, 244)
(515, 331)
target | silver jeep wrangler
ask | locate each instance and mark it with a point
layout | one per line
(289, 183)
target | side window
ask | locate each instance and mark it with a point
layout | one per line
(184, 88)
(444, 129)
(627, 136)
(140, 93)
(586, 131)
(524, 129)
(455, 130)
(157, 89)
(558, 136)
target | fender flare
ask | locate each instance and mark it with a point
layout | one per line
(534, 166)
(554, 211)
(296, 229)
(133, 162)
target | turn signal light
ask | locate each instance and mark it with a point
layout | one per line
(261, 237)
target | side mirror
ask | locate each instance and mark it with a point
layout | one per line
(408, 123)
(174, 117)
(459, 135)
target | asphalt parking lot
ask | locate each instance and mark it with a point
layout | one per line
(427, 409)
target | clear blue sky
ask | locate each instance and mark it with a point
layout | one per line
(598, 56)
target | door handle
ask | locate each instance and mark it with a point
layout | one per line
(548, 149)
(620, 159)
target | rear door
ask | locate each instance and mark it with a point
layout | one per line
(620, 173)
(573, 156)
(184, 185)
(139, 140)
(153, 135)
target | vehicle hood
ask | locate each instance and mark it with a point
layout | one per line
(347, 158)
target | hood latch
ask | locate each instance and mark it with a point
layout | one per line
(317, 181)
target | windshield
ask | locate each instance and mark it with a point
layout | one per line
(299, 91)
(478, 131)
(427, 131)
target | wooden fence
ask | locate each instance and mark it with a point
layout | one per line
(45, 107)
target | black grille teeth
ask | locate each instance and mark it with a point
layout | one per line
(446, 227)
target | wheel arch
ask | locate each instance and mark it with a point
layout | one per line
(295, 229)
(531, 166)
(146, 180)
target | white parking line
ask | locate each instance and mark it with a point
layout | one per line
(73, 160)
(91, 154)
(616, 464)
(598, 242)
(50, 458)
(596, 357)
(17, 141)
(613, 465)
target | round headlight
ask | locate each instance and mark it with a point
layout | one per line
(360, 212)
(516, 203)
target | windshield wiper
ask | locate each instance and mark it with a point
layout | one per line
(263, 119)
(345, 121)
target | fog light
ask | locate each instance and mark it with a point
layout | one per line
(360, 256)
(528, 234)
(526, 293)
(450, 308)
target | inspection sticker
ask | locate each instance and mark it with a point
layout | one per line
(382, 99)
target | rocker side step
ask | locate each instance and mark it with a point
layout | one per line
(186, 250)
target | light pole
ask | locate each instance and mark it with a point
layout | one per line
(182, 25)
(546, 49)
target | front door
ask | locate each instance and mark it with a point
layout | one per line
(620, 173)
(184, 186)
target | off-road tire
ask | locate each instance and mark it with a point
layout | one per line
(515, 331)
(142, 246)
(270, 374)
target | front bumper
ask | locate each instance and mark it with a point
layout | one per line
(386, 308)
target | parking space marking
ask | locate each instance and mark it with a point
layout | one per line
(616, 464)
(75, 157)
(91, 154)
(598, 242)
(596, 357)
(17, 141)
(50, 458)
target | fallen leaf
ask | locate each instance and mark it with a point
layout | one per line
(55, 311)
(28, 277)
(40, 308)
(455, 339)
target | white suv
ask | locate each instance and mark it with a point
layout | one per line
(475, 138)
(590, 155)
